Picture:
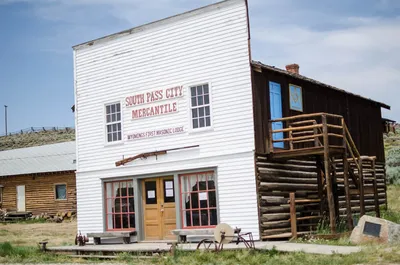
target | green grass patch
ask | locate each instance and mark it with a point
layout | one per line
(11, 254)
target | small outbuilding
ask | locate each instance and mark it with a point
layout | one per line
(38, 179)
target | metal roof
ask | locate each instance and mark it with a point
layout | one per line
(39, 159)
(302, 77)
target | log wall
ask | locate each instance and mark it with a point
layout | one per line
(275, 180)
(40, 192)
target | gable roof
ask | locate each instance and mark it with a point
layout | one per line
(156, 23)
(302, 77)
(39, 159)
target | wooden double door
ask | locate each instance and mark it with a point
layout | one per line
(159, 208)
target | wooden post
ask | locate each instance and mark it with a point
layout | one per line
(346, 178)
(361, 177)
(347, 192)
(290, 137)
(315, 133)
(376, 198)
(270, 142)
(320, 183)
(293, 221)
(331, 203)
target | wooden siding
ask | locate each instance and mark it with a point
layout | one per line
(207, 46)
(39, 192)
(362, 117)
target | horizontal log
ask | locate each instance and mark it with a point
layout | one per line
(287, 173)
(273, 200)
(275, 231)
(287, 186)
(299, 194)
(275, 217)
(269, 165)
(302, 128)
(279, 209)
(275, 224)
(298, 138)
(279, 179)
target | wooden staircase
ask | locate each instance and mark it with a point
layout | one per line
(346, 178)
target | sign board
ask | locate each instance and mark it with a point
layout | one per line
(155, 133)
(372, 229)
(296, 98)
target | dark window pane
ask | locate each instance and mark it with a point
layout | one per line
(108, 118)
(196, 218)
(207, 111)
(213, 217)
(115, 136)
(109, 137)
(119, 126)
(117, 204)
(118, 107)
(130, 191)
(193, 91)
(113, 108)
(114, 127)
(109, 128)
(205, 87)
(206, 99)
(108, 110)
(195, 123)
(119, 136)
(201, 112)
(201, 122)
(204, 217)
(151, 192)
(200, 100)
(124, 205)
(194, 102)
(200, 90)
(114, 117)
(61, 192)
(194, 113)
(212, 200)
(125, 221)
(118, 116)
(208, 121)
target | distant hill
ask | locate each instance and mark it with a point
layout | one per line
(35, 137)
(392, 153)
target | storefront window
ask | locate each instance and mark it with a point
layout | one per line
(198, 200)
(120, 207)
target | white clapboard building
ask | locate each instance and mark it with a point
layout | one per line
(178, 129)
(181, 84)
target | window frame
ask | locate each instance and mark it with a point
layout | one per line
(182, 211)
(190, 107)
(107, 213)
(106, 123)
(55, 191)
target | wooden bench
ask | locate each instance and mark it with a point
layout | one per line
(125, 235)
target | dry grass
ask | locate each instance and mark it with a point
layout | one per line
(20, 234)
(393, 193)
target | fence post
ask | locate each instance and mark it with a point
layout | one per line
(293, 221)
(327, 166)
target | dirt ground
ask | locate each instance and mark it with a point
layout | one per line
(30, 234)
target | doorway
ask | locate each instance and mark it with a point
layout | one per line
(159, 208)
(275, 98)
(21, 198)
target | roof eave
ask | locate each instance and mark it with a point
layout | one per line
(307, 79)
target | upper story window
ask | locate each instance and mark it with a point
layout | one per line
(113, 122)
(200, 106)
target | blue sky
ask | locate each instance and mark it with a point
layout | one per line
(352, 44)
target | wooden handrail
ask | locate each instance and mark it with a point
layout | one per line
(298, 128)
(302, 116)
(297, 138)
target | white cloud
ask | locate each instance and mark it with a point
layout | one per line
(351, 50)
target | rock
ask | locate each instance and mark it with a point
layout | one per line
(373, 229)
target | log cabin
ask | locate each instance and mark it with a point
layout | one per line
(39, 179)
(178, 129)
